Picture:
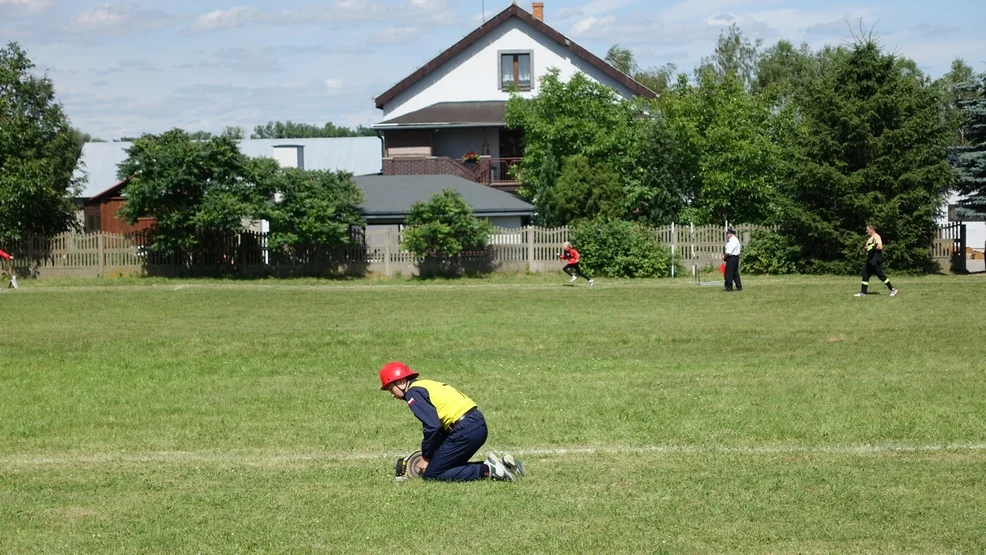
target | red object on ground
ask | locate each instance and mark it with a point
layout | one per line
(722, 268)
(5, 256)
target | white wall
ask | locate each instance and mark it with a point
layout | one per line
(473, 74)
(975, 232)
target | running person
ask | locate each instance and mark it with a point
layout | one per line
(874, 261)
(13, 276)
(572, 257)
(452, 425)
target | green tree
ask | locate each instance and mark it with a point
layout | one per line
(309, 211)
(39, 152)
(863, 142)
(970, 161)
(444, 227)
(728, 152)
(580, 117)
(187, 186)
(735, 56)
(657, 79)
(234, 132)
(958, 87)
(585, 190)
(292, 130)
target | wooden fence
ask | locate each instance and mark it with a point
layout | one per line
(533, 249)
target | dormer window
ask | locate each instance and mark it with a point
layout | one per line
(516, 70)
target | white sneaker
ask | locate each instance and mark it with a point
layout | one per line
(592, 282)
(498, 470)
(859, 295)
(513, 465)
(893, 292)
(573, 279)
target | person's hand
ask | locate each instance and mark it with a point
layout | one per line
(422, 464)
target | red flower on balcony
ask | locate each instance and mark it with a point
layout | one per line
(470, 157)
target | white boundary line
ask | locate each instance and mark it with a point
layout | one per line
(266, 459)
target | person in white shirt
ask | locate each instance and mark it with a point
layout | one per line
(731, 256)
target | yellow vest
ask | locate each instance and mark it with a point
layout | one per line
(450, 403)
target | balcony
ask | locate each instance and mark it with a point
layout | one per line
(494, 172)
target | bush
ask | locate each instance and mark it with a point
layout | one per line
(769, 253)
(621, 249)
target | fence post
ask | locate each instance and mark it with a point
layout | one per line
(965, 263)
(530, 249)
(674, 243)
(386, 251)
(100, 252)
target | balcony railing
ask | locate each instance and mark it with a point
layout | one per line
(495, 172)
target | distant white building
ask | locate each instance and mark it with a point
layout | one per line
(103, 195)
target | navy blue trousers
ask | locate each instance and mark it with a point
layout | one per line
(450, 463)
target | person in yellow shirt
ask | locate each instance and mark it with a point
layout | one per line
(874, 262)
(453, 428)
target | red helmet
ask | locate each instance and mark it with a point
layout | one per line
(393, 371)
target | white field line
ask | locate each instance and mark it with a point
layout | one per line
(275, 458)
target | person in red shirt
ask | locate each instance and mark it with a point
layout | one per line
(571, 257)
(13, 277)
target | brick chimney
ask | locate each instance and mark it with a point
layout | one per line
(538, 10)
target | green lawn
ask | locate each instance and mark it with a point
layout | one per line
(655, 416)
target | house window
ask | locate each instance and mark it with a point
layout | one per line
(93, 222)
(515, 70)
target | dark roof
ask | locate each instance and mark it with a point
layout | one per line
(392, 195)
(486, 113)
(496, 21)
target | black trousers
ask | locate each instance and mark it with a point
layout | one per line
(732, 273)
(574, 270)
(874, 267)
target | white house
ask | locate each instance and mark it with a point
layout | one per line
(455, 103)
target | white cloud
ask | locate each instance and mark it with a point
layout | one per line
(936, 30)
(129, 66)
(397, 35)
(333, 85)
(117, 19)
(337, 13)
(218, 20)
(14, 8)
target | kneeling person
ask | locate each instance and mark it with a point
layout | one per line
(452, 425)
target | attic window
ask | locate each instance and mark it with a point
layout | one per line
(516, 70)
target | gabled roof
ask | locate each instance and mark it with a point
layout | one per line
(485, 113)
(496, 21)
(390, 196)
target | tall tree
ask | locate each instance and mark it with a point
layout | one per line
(39, 152)
(957, 86)
(308, 210)
(657, 79)
(234, 132)
(727, 150)
(735, 55)
(864, 143)
(578, 117)
(292, 130)
(970, 160)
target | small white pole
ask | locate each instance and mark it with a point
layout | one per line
(672, 249)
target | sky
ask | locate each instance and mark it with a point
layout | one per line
(127, 68)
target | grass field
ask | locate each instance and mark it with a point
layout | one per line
(655, 416)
